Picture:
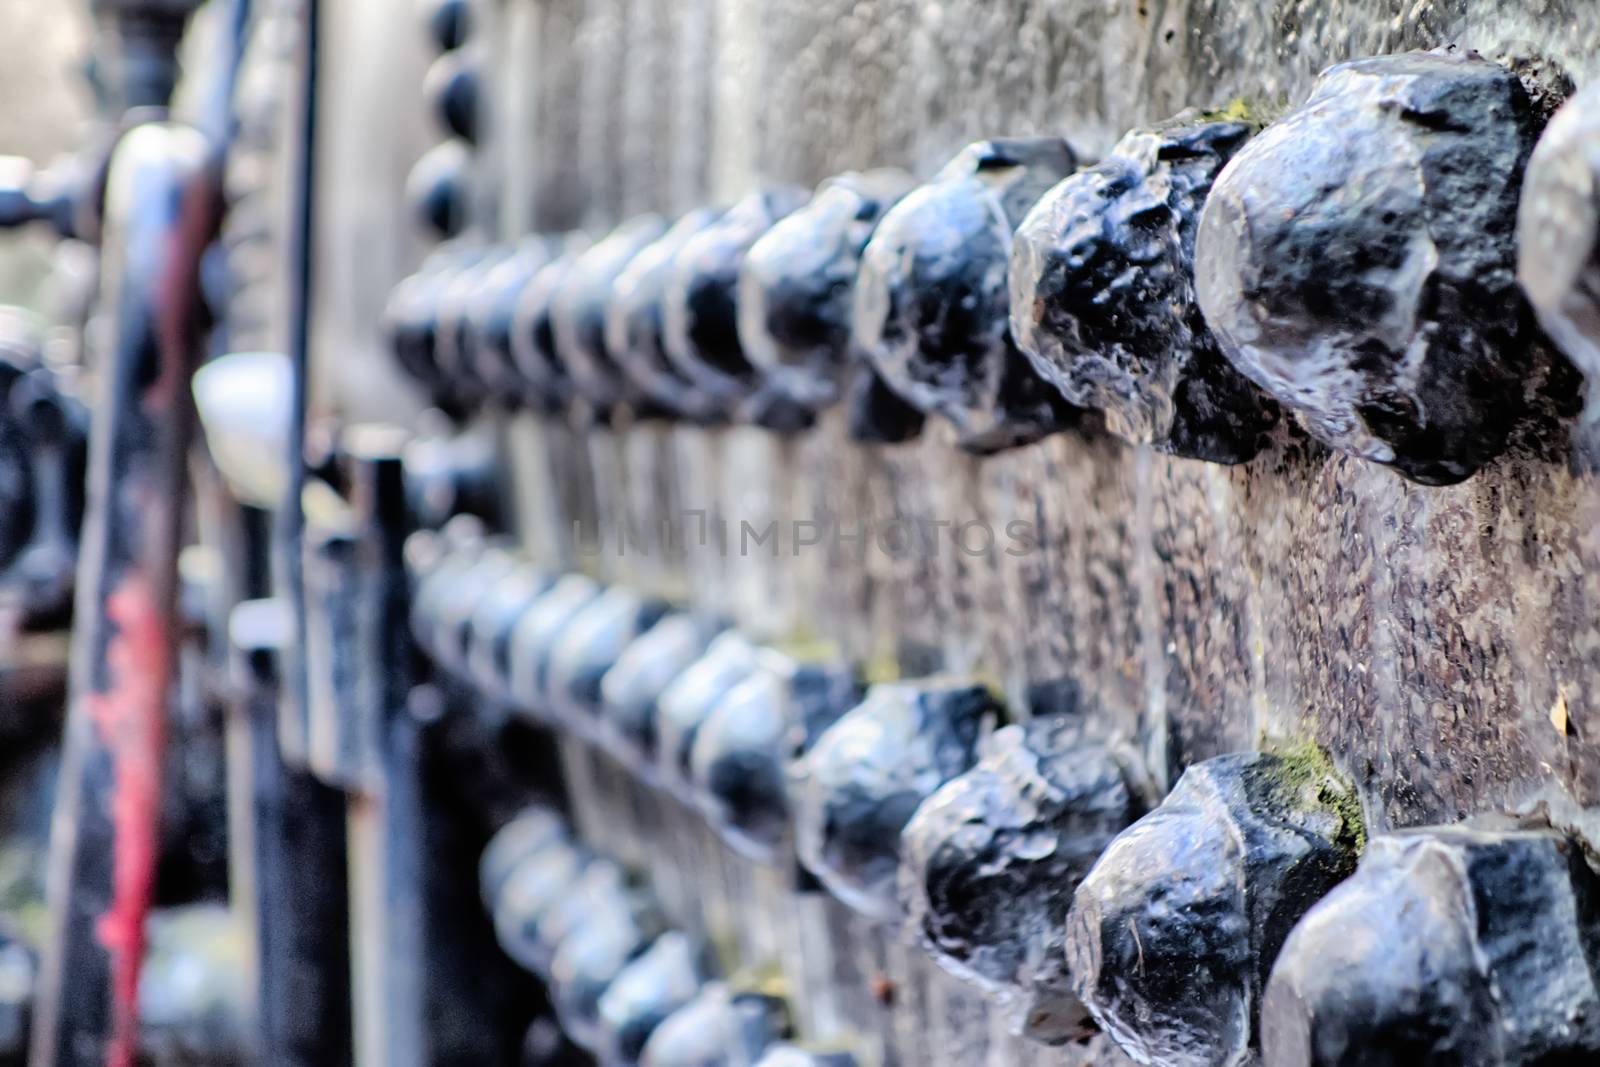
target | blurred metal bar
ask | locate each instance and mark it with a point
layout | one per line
(161, 208)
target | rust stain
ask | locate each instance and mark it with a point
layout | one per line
(130, 718)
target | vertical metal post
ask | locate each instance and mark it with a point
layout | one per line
(287, 874)
(161, 207)
(388, 914)
(293, 724)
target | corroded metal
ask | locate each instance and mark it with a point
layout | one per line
(1448, 945)
(865, 776)
(931, 298)
(1102, 295)
(989, 863)
(1356, 260)
(1174, 929)
(162, 199)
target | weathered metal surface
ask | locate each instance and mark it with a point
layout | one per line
(1558, 234)
(1357, 261)
(858, 786)
(931, 297)
(1437, 641)
(1447, 946)
(1173, 931)
(1103, 301)
(989, 863)
(162, 199)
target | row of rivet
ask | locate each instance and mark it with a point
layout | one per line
(1032, 859)
(1354, 262)
(625, 986)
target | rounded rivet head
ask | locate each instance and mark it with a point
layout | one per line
(700, 309)
(588, 960)
(858, 786)
(451, 87)
(635, 326)
(578, 311)
(794, 1056)
(1558, 231)
(719, 1028)
(797, 283)
(589, 645)
(931, 307)
(536, 635)
(541, 373)
(693, 695)
(436, 188)
(989, 863)
(631, 690)
(1102, 295)
(1356, 260)
(530, 833)
(1174, 929)
(535, 886)
(739, 762)
(648, 990)
(1448, 946)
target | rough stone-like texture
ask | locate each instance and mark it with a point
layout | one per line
(1103, 302)
(865, 776)
(719, 1028)
(1558, 233)
(1357, 261)
(1173, 931)
(635, 322)
(797, 285)
(578, 311)
(739, 763)
(989, 863)
(1448, 946)
(931, 298)
(665, 978)
(701, 305)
